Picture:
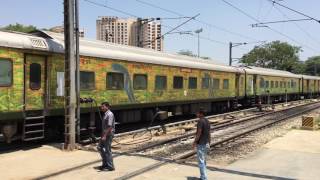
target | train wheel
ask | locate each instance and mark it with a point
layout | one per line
(9, 130)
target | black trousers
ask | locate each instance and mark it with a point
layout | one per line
(105, 152)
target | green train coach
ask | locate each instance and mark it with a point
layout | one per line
(137, 82)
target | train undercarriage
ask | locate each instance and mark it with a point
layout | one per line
(52, 127)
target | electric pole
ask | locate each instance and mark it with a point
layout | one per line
(70, 81)
(198, 32)
(230, 53)
(231, 45)
(76, 9)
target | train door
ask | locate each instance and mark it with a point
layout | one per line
(299, 86)
(237, 85)
(34, 82)
(254, 84)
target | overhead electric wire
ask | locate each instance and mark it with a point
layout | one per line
(192, 18)
(280, 21)
(274, 30)
(299, 27)
(168, 18)
(298, 12)
(201, 37)
(199, 21)
(129, 14)
(111, 8)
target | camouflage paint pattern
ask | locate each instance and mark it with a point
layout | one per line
(277, 90)
(130, 96)
(11, 98)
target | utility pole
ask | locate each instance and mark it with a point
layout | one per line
(70, 81)
(198, 32)
(231, 45)
(230, 53)
(76, 8)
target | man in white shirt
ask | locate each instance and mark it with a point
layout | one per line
(108, 127)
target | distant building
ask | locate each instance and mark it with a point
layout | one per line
(134, 32)
(60, 29)
(114, 29)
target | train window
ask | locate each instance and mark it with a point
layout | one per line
(205, 83)
(262, 83)
(193, 83)
(284, 84)
(177, 82)
(161, 82)
(5, 72)
(267, 84)
(140, 81)
(292, 84)
(115, 81)
(272, 84)
(226, 84)
(288, 84)
(277, 84)
(35, 76)
(87, 80)
(216, 83)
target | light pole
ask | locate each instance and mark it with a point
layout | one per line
(231, 45)
(198, 31)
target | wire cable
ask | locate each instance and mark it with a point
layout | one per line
(129, 14)
(299, 27)
(298, 12)
(274, 30)
(199, 21)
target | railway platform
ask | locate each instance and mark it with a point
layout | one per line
(296, 155)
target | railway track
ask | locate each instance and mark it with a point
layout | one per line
(219, 122)
(229, 116)
(220, 137)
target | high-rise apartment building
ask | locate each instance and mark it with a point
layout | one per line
(151, 35)
(114, 29)
(134, 32)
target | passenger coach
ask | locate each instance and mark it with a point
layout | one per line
(137, 82)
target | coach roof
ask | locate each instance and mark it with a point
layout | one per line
(54, 42)
(270, 72)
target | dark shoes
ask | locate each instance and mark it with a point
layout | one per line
(110, 169)
(104, 168)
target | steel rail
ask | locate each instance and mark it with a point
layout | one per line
(189, 154)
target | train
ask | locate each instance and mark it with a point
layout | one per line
(137, 82)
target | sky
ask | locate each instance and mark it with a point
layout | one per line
(220, 22)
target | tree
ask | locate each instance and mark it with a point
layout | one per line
(312, 66)
(274, 55)
(187, 52)
(20, 28)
